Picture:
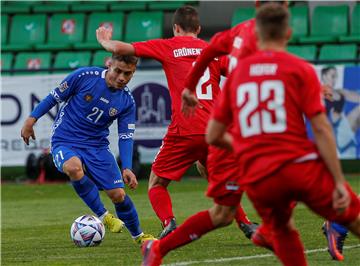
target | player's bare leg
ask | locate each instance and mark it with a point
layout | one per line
(201, 169)
(161, 202)
(89, 193)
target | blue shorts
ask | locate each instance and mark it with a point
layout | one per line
(98, 164)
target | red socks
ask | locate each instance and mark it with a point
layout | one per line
(240, 216)
(193, 228)
(289, 248)
(161, 203)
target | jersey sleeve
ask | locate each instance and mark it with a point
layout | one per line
(126, 129)
(224, 65)
(151, 49)
(67, 87)
(126, 122)
(222, 109)
(312, 102)
(222, 42)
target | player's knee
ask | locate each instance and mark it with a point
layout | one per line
(117, 195)
(222, 216)
(155, 181)
(227, 217)
(73, 170)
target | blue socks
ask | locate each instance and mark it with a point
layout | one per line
(89, 193)
(126, 211)
(339, 228)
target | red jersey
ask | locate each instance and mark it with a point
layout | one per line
(266, 97)
(177, 56)
(238, 42)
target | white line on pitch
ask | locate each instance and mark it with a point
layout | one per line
(247, 257)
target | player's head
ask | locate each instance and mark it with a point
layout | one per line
(329, 76)
(272, 23)
(186, 20)
(259, 3)
(120, 71)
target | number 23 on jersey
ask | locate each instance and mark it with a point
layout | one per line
(261, 107)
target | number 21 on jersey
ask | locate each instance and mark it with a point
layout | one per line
(269, 119)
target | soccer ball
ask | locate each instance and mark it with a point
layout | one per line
(87, 231)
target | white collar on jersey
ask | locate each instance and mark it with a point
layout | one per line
(103, 73)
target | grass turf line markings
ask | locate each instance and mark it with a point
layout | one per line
(259, 256)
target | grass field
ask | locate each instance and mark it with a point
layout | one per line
(36, 222)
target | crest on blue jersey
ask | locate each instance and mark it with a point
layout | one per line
(88, 97)
(113, 111)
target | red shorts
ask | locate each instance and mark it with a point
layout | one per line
(309, 182)
(223, 177)
(177, 154)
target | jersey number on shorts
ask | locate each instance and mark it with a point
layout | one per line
(255, 119)
(96, 114)
(57, 161)
(207, 95)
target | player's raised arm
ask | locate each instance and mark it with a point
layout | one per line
(104, 36)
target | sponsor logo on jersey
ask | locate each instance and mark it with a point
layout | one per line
(113, 111)
(88, 97)
(104, 100)
(63, 86)
(126, 135)
(56, 96)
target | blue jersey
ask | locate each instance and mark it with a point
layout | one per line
(89, 108)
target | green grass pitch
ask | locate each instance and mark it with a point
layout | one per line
(36, 221)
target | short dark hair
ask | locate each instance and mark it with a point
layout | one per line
(261, 2)
(272, 21)
(187, 18)
(127, 59)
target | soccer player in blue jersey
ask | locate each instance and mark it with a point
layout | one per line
(92, 99)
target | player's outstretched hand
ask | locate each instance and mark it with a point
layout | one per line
(130, 178)
(27, 130)
(341, 198)
(188, 103)
(103, 34)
